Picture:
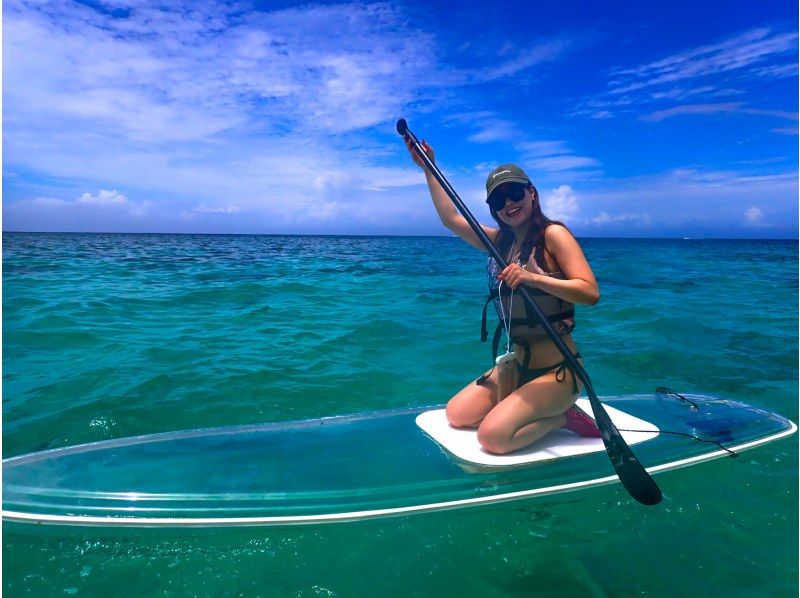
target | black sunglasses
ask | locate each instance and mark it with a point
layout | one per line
(513, 191)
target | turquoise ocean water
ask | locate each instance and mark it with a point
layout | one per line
(117, 335)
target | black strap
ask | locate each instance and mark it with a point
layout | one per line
(496, 339)
(561, 373)
(560, 370)
(495, 346)
(563, 315)
(526, 358)
(528, 320)
(484, 332)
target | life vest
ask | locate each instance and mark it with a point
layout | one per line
(525, 326)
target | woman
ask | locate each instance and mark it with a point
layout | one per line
(544, 257)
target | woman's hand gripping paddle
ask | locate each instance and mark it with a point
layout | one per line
(631, 473)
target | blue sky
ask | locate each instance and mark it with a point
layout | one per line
(632, 118)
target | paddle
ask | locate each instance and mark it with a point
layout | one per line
(631, 473)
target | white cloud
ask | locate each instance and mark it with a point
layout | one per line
(220, 113)
(190, 103)
(561, 163)
(174, 73)
(494, 130)
(489, 126)
(633, 219)
(103, 202)
(216, 210)
(104, 198)
(560, 203)
(525, 58)
(105, 211)
(715, 108)
(544, 148)
(753, 216)
(47, 201)
(692, 201)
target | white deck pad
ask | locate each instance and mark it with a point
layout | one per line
(559, 443)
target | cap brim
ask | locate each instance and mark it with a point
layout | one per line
(511, 179)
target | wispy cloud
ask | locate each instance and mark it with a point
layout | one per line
(785, 130)
(677, 202)
(544, 156)
(198, 104)
(202, 102)
(693, 199)
(746, 52)
(732, 107)
(555, 157)
(562, 163)
(692, 109)
(178, 73)
(562, 204)
(490, 127)
(216, 209)
(218, 116)
(604, 218)
(105, 210)
(525, 58)
(700, 75)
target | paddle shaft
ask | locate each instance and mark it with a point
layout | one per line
(631, 473)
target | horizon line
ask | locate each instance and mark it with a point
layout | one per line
(399, 235)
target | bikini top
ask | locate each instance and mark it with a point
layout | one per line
(525, 326)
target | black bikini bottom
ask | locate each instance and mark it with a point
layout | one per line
(528, 374)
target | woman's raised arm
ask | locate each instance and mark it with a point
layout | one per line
(448, 213)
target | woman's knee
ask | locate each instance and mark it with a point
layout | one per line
(494, 439)
(458, 416)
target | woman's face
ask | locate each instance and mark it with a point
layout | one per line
(513, 213)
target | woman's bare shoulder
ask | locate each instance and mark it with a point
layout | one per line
(556, 231)
(557, 236)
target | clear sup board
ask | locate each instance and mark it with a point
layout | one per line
(354, 467)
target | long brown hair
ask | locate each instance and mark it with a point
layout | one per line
(534, 237)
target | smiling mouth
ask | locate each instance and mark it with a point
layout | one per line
(511, 212)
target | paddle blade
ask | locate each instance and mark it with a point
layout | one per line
(631, 473)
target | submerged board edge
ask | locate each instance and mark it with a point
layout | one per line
(207, 431)
(145, 522)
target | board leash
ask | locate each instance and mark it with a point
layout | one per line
(664, 390)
